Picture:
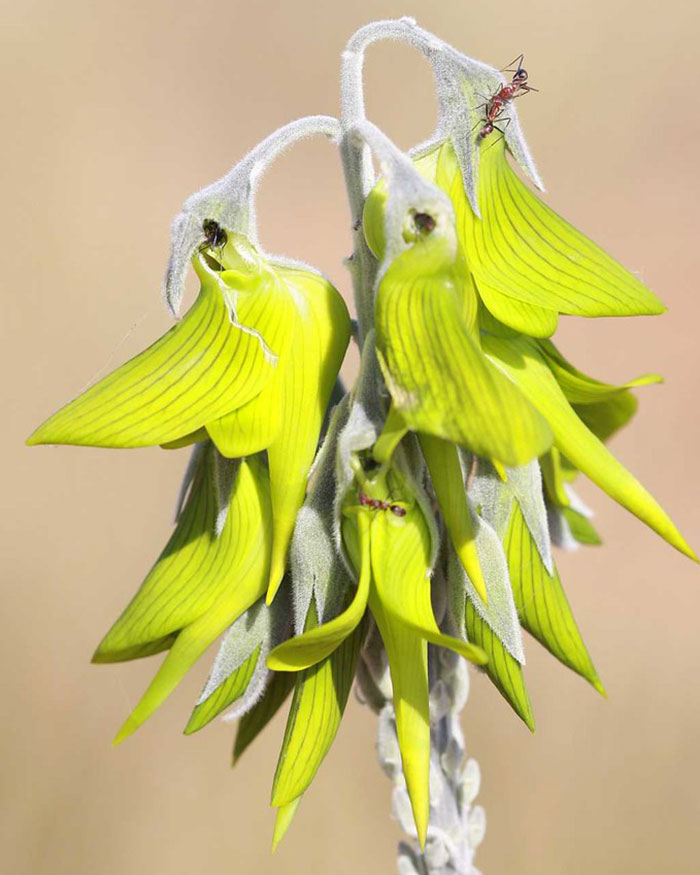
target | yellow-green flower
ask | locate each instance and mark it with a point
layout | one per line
(389, 542)
(471, 291)
(202, 582)
(251, 366)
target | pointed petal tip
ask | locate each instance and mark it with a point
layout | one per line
(422, 830)
(283, 820)
(598, 687)
(193, 724)
(128, 728)
(276, 575)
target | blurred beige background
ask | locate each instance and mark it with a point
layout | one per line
(113, 113)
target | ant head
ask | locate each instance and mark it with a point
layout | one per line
(214, 233)
(520, 75)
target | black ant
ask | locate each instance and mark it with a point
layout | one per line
(215, 236)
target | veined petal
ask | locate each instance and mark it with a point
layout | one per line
(252, 427)
(523, 317)
(525, 365)
(505, 672)
(239, 666)
(448, 482)
(314, 718)
(408, 664)
(521, 249)
(401, 557)
(192, 572)
(306, 650)
(438, 378)
(542, 605)
(199, 370)
(578, 387)
(248, 558)
(225, 695)
(254, 721)
(321, 337)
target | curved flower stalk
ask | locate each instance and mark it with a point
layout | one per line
(422, 529)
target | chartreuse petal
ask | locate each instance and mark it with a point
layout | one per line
(252, 427)
(578, 387)
(553, 477)
(199, 370)
(321, 337)
(408, 664)
(225, 695)
(246, 565)
(400, 604)
(521, 249)
(192, 572)
(254, 721)
(541, 603)
(401, 557)
(283, 820)
(316, 644)
(439, 380)
(320, 697)
(521, 360)
(606, 417)
(519, 315)
(505, 672)
(447, 478)
(581, 527)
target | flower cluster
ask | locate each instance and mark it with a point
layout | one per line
(326, 537)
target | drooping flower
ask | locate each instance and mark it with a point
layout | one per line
(203, 581)
(387, 536)
(251, 366)
(529, 264)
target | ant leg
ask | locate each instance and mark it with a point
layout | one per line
(519, 61)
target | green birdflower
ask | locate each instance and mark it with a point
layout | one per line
(422, 524)
(251, 365)
(388, 539)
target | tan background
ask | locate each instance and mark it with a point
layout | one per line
(113, 113)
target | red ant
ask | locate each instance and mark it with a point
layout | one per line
(378, 504)
(497, 102)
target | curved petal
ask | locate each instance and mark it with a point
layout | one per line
(401, 556)
(254, 721)
(521, 249)
(542, 605)
(306, 650)
(189, 576)
(321, 337)
(205, 366)
(520, 316)
(248, 560)
(578, 387)
(448, 482)
(505, 672)
(525, 365)
(314, 719)
(439, 380)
